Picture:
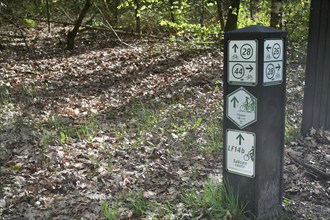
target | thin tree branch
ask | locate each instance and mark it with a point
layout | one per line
(108, 25)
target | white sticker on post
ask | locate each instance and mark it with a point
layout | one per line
(242, 59)
(273, 62)
(241, 151)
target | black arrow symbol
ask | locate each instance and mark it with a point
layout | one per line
(250, 68)
(268, 47)
(240, 138)
(278, 67)
(235, 47)
(235, 101)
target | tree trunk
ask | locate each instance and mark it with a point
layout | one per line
(48, 15)
(276, 14)
(73, 33)
(172, 10)
(232, 17)
(220, 14)
(116, 12)
(137, 16)
(202, 10)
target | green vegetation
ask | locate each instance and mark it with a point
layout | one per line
(5, 98)
(190, 130)
(197, 21)
(292, 131)
(30, 22)
(177, 124)
(110, 211)
(64, 130)
(215, 201)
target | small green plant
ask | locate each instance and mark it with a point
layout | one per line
(66, 130)
(29, 91)
(17, 167)
(197, 123)
(292, 132)
(231, 202)
(110, 212)
(214, 134)
(64, 135)
(120, 132)
(110, 166)
(287, 203)
(46, 138)
(94, 161)
(5, 97)
(147, 116)
(140, 204)
(55, 122)
(217, 201)
(88, 128)
(29, 22)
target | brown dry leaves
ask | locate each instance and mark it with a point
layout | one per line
(68, 142)
(98, 124)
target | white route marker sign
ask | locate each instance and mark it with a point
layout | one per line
(241, 108)
(242, 59)
(273, 62)
(240, 150)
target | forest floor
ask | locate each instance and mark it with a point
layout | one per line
(126, 130)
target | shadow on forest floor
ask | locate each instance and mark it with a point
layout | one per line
(108, 123)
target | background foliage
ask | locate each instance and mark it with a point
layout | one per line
(192, 20)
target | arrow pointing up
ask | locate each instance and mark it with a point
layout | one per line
(240, 138)
(268, 47)
(235, 47)
(234, 101)
(250, 68)
(278, 67)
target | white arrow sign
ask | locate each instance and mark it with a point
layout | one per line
(241, 108)
(242, 58)
(240, 151)
(273, 62)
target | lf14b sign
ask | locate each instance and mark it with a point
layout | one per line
(240, 151)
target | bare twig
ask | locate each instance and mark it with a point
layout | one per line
(316, 171)
(15, 22)
(108, 25)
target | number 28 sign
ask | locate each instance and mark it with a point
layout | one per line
(273, 62)
(242, 58)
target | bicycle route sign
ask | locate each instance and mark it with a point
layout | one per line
(240, 150)
(242, 62)
(273, 62)
(241, 108)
